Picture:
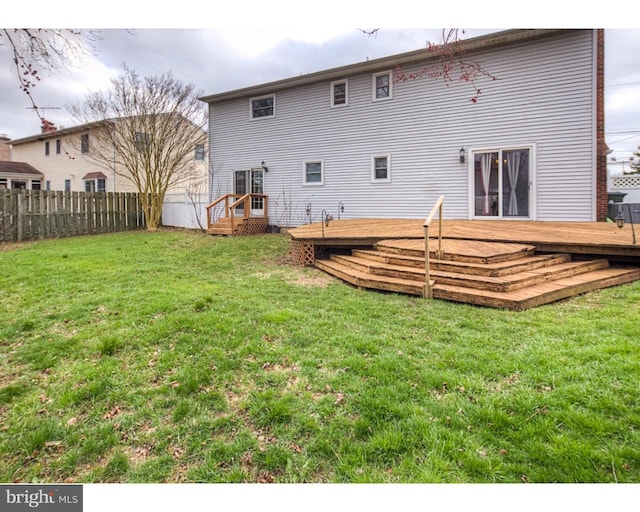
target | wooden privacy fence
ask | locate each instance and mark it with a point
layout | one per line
(32, 214)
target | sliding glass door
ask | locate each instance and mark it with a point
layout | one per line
(502, 183)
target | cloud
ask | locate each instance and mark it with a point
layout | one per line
(223, 59)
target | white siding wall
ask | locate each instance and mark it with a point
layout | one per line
(544, 96)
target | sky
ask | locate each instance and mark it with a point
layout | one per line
(248, 45)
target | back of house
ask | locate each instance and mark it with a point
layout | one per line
(377, 140)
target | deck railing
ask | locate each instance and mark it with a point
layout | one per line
(245, 201)
(428, 289)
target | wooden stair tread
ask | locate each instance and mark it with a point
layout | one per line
(460, 250)
(365, 280)
(463, 267)
(501, 283)
(543, 293)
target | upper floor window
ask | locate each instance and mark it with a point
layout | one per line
(46, 148)
(380, 168)
(382, 86)
(84, 143)
(313, 173)
(199, 152)
(339, 93)
(58, 146)
(264, 106)
(143, 140)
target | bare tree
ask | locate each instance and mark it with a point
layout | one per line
(38, 51)
(145, 130)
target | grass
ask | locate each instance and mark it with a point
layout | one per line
(177, 357)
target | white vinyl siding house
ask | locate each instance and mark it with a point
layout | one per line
(539, 114)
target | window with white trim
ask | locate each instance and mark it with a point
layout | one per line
(263, 107)
(340, 93)
(380, 168)
(382, 86)
(95, 185)
(142, 142)
(313, 172)
(84, 143)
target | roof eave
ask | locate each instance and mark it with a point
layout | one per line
(473, 44)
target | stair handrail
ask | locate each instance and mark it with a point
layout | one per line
(428, 289)
(211, 205)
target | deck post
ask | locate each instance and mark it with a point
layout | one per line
(428, 290)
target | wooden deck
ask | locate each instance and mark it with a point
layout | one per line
(592, 238)
(515, 265)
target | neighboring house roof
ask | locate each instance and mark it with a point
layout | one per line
(94, 176)
(474, 44)
(57, 133)
(21, 168)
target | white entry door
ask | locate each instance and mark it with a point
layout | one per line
(501, 183)
(250, 181)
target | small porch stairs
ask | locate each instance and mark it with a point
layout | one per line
(223, 217)
(494, 274)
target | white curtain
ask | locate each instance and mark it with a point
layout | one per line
(513, 170)
(485, 167)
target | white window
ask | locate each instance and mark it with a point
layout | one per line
(263, 106)
(199, 152)
(340, 93)
(313, 172)
(382, 86)
(95, 185)
(380, 168)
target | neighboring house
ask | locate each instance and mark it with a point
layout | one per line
(19, 175)
(354, 137)
(62, 156)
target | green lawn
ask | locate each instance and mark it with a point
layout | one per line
(178, 357)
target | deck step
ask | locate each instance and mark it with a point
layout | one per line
(497, 275)
(485, 269)
(365, 280)
(503, 283)
(471, 251)
(540, 294)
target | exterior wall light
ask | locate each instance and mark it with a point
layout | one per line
(620, 220)
(264, 167)
(462, 155)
